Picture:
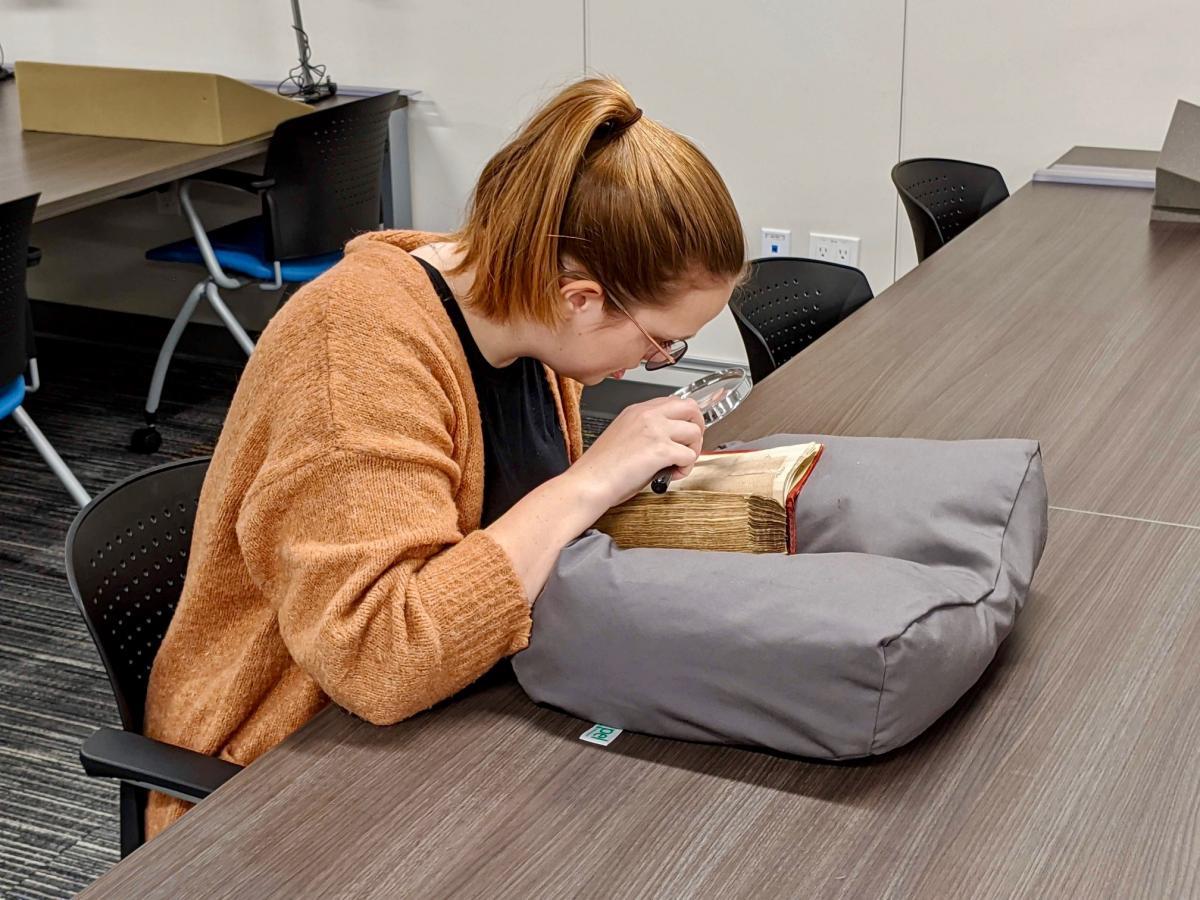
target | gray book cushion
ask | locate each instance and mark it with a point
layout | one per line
(915, 558)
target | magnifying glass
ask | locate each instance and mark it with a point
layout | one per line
(718, 395)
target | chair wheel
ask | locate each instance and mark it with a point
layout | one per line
(145, 440)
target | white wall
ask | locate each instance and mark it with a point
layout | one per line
(481, 68)
(751, 83)
(1016, 83)
(804, 105)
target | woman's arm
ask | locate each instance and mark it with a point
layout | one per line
(642, 440)
(378, 594)
(380, 597)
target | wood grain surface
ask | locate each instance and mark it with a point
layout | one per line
(1072, 769)
(76, 171)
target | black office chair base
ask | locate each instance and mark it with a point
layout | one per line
(145, 440)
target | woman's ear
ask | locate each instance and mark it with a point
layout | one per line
(581, 295)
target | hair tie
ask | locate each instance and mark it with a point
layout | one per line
(611, 128)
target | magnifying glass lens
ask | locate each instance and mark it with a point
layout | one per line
(717, 395)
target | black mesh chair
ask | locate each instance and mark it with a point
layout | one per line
(18, 355)
(321, 185)
(944, 196)
(787, 303)
(126, 558)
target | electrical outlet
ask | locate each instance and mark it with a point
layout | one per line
(776, 242)
(835, 248)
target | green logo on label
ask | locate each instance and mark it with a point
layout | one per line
(600, 734)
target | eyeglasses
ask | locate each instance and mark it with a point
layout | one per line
(665, 355)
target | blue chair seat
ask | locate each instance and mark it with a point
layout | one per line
(239, 248)
(11, 396)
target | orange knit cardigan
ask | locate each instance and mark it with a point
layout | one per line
(337, 553)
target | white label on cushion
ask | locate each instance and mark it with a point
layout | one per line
(600, 734)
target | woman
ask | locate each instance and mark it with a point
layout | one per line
(402, 461)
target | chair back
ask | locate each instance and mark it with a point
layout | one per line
(328, 173)
(943, 197)
(16, 331)
(786, 303)
(126, 557)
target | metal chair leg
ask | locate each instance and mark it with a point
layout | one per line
(147, 439)
(168, 348)
(235, 328)
(50, 455)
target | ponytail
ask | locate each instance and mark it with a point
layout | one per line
(589, 178)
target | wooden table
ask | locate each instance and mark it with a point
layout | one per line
(1071, 770)
(73, 172)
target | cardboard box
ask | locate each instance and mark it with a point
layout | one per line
(148, 104)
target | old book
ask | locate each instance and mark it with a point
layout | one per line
(739, 500)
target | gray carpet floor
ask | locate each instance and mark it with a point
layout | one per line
(58, 828)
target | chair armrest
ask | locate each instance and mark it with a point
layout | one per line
(148, 763)
(33, 256)
(243, 181)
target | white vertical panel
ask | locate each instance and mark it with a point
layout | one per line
(797, 104)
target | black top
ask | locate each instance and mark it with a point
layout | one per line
(523, 443)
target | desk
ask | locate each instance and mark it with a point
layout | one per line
(76, 171)
(1071, 770)
(1071, 764)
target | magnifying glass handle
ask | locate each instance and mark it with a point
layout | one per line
(662, 480)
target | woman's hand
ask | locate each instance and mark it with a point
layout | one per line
(644, 439)
(641, 441)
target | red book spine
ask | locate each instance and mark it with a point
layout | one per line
(791, 502)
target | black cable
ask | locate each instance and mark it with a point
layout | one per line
(295, 75)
